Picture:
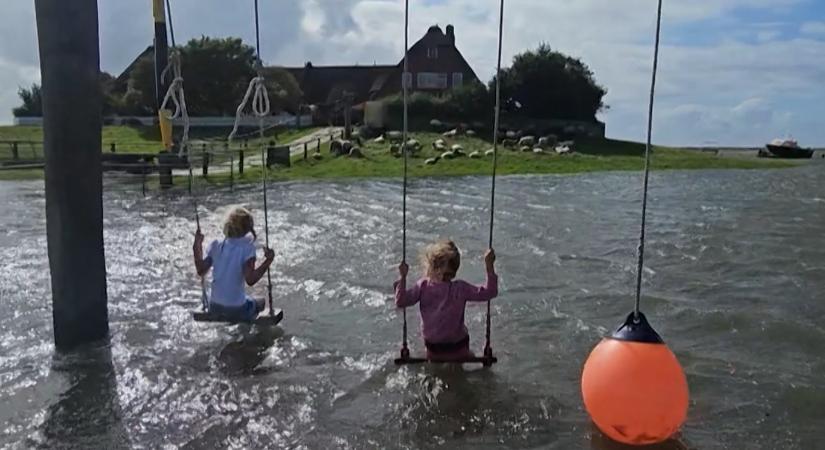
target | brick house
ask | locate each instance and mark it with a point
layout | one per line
(435, 64)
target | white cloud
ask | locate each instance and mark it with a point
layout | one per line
(813, 28)
(768, 35)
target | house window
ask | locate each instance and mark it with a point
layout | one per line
(458, 79)
(432, 53)
(431, 80)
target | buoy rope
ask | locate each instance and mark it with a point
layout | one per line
(405, 79)
(641, 249)
(488, 351)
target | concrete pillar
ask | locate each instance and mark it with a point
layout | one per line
(70, 71)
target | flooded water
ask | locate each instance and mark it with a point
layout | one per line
(735, 284)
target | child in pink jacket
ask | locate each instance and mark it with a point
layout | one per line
(442, 298)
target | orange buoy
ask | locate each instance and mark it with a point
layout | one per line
(634, 387)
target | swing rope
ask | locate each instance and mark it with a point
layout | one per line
(488, 350)
(175, 94)
(641, 248)
(405, 351)
(257, 93)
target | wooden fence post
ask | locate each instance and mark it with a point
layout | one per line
(15, 152)
(205, 154)
(319, 145)
(240, 162)
(306, 149)
(113, 147)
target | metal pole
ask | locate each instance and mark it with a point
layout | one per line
(70, 71)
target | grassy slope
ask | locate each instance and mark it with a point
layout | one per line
(128, 139)
(591, 155)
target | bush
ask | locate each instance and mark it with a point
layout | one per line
(470, 103)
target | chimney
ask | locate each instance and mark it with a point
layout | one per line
(451, 34)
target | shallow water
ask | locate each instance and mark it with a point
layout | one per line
(735, 284)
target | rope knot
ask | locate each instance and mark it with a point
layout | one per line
(175, 94)
(257, 93)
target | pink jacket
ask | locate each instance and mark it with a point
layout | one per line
(442, 305)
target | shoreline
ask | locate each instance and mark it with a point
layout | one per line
(590, 155)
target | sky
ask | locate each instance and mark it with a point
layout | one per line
(732, 72)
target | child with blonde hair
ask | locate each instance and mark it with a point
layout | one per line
(442, 299)
(232, 261)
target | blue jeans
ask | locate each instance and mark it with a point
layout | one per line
(244, 313)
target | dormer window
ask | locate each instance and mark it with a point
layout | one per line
(432, 53)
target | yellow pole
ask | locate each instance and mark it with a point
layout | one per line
(158, 11)
(165, 122)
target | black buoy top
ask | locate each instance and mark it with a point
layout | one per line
(637, 329)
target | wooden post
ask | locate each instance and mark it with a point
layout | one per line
(70, 70)
(113, 147)
(318, 148)
(161, 47)
(306, 150)
(240, 162)
(15, 152)
(165, 169)
(205, 164)
(231, 172)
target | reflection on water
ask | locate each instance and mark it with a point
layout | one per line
(734, 283)
(87, 413)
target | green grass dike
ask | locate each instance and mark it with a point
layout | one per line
(589, 155)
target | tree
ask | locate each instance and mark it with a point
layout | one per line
(550, 85)
(139, 98)
(284, 91)
(472, 101)
(32, 101)
(32, 104)
(216, 73)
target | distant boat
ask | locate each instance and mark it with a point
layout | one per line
(787, 148)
